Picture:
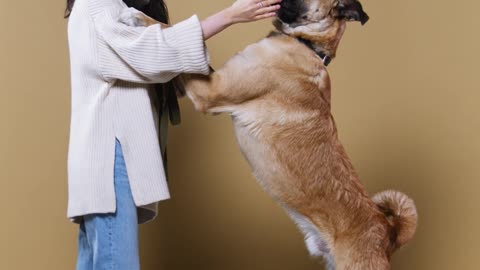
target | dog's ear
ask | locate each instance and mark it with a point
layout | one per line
(350, 10)
(291, 10)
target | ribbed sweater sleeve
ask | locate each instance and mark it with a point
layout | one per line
(149, 54)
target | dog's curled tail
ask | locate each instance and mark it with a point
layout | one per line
(401, 214)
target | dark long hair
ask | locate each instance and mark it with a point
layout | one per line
(68, 9)
(157, 9)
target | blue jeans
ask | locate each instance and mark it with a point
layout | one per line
(110, 241)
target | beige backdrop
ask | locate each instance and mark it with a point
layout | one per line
(405, 97)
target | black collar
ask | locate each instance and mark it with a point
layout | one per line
(326, 59)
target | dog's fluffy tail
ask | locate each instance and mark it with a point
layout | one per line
(401, 213)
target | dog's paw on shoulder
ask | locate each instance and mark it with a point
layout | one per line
(133, 17)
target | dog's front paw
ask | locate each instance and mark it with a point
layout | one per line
(133, 17)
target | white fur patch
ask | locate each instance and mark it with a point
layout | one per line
(314, 241)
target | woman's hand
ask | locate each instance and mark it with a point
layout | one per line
(241, 11)
(252, 10)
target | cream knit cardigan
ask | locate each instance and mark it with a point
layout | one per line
(113, 69)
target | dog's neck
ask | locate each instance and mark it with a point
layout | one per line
(318, 50)
(323, 39)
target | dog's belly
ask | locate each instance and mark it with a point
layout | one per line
(264, 164)
(271, 175)
(256, 153)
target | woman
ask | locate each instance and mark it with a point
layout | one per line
(115, 72)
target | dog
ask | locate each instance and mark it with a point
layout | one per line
(278, 94)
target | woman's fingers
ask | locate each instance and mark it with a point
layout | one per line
(252, 10)
(266, 15)
(268, 9)
(267, 3)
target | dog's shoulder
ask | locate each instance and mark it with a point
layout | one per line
(279, 43)
(272, 49)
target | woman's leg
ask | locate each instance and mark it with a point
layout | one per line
(85, 254)
(114, 237)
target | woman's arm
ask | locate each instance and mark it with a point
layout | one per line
(154, 54)
(240, 11)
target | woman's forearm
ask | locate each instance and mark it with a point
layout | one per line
(216, 23)
(240, 11)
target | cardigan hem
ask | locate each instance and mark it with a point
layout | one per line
(145, 213)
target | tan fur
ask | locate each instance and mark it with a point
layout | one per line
(278, 93)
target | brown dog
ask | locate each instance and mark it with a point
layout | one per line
(278, 93)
